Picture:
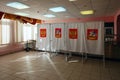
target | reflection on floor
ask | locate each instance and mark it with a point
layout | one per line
(39, 66)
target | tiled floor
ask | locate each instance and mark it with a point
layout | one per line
(38, 66)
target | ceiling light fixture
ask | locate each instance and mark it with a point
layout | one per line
(21, 14)
(57, 9)
(49, 15)
(17, 5)
(87, 12)
(72, 0)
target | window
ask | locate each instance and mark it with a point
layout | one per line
(35, 33)
(29, 32)
(109, 31)
(14, 31)
(5, 31)
(5, 34)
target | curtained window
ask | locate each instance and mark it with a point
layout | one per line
(5, 31)
(5, 34)
(29, 32)
(12, 31)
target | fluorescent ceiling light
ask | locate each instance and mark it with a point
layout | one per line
(49, 15)
(17, 5)
(22, 14)
(72, 0)
(67, 16)
(57, 9)
(87, 12)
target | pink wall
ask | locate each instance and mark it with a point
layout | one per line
(105, 19)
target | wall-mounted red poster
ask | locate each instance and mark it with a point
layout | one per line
(58, 33)
(92, 34)
(43, 33)
(73, 33)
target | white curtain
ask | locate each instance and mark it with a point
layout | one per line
(74, 45)
(9, 31)
(94, 45)
(13, 31)
(57, 43)
(80, 43)
(19, 31)
(43, 43)
(6, 31)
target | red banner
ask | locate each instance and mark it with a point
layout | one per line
(73, 33)
(58, 32)
(92, 34)
(43, 33)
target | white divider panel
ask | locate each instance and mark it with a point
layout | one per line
(57, 37)
(43, 37)
(74, 37)
(94, 38)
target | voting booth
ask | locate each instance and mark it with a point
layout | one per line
(87, 37)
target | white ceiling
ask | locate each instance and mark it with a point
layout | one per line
(40, 7)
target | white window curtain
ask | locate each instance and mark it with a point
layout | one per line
(8, 31)
(14, 31)
(18, 31)
(5, 31)
(5, 34)
(29, 32)
(34, 36)
(24, 32)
